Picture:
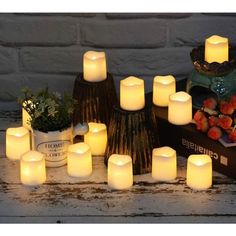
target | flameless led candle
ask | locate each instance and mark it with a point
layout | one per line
(199, 172)
(26, 117)
(96, 138)
(79, 160)
(164, 164)
(163, 87)
(95, 68)
(216, 49)
(120, 171)
(17, 142)
(32, 168)
(180, 108)
(132, 95)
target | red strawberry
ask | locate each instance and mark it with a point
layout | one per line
(214, 133)
(202, 124)
(226, 108)
(225, 122)
(232, 135)
(210, 103)
(213, 120)
(233, 101)
(198, 115)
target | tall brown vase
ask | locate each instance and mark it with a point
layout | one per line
(133, 133)
(95, 100)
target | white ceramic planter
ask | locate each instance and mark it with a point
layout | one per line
(55, 144)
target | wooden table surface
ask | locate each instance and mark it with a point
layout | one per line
(63, 199)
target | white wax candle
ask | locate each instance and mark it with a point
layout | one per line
(120, 171)
(94, 66)
(17, 142)
(96, 138)
(79, 160)
(180, 108)
(164, 164)
(32, 168)
(163, 87)
(216, 49)
(26, 117)
(132, 94)
(199, 172)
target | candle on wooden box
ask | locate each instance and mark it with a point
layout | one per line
(94, 66)
(132, 94)
(96, 138)
(79, 160)
(216, 49)
(163, 87)
(32, 168)
(17, 142)
(180, 108)
(120, 171)
(164, 164)
(199, 172)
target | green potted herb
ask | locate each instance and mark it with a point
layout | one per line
(51, 117)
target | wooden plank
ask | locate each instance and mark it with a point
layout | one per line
(99, 200)
(119, 219)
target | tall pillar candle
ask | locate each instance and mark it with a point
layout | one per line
(79, 160)
(199, 172)
(17, 142)
(180, 108)
(120, 171)
(94, 66)
(132, 94)
(164, 164)
(216, 49)
(163, 87)
(96, 138)
(32, 168)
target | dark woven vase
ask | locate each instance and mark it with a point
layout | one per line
(95, 100)
(133, 133)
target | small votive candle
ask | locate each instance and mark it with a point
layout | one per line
(199, 172)
(216, 49)
(32, 168)
(180, 108)
(163, 87)
(120, 171)
(17, 142)
(132, 94)
(164, 164)
(79, 160)
(96, 138)
(26, 117)
(94, 66)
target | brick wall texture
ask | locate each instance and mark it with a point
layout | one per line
(38, 50)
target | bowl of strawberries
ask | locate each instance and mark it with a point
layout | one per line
(217, 118)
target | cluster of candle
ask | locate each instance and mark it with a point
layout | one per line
(120, 171)
(199, 168)
(132, 98)
(79, 161)
(164, 168)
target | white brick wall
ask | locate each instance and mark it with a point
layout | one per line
(47, 49)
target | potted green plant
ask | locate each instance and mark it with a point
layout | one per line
(51, 117)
